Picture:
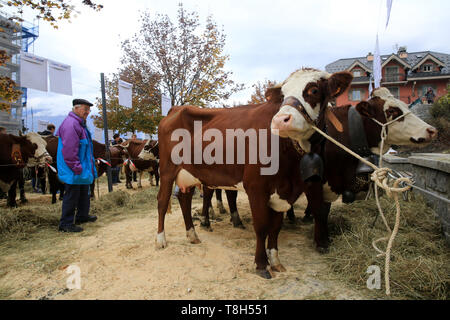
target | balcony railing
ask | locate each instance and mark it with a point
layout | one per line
(394, 77)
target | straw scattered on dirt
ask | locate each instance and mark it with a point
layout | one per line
(118, 259)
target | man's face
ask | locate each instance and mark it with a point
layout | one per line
(82, 111)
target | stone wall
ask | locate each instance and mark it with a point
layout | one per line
(422, 111)
(431, 171)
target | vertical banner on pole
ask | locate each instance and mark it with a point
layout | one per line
(33, 72)
(60, 76)
(166, 104)
(389, 7)
(377, 66)
(105, 128)
(125, 94)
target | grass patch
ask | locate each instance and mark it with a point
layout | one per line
(420, 257)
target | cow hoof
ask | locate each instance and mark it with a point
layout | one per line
(161, 242)
(264, 273)
(192, 236)
(12, 205)
(308, 219)
(322, 250)
(23, 200)
(139, 187)
(278, 268)
(206, 227)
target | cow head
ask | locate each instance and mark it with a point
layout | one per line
(407, 130)
(150, 151)
(118, 154)
(306, 95)
(40, 152)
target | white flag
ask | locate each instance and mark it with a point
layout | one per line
(60, 78)
(166, 104)
(370, 86)
(125, 94)
(42, 125)
(99, 134)
(377, 65)
(33, 72)
(389, 6)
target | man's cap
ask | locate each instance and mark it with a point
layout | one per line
(81, 101)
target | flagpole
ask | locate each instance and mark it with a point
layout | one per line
(105, 128)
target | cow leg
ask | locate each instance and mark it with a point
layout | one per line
(164, 193)
(42, 179)
(54, 184)
(12, 195)
(290, 214)
(156, 172)
(204, 220)
(276, 220)
(21, 181)
(308, 218)
(220, 206)
(261, 224)
(235, 218)
(140, 179)
(185, 199)
(319, 209)
(129, 177)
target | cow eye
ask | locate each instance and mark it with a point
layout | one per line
(313, 91)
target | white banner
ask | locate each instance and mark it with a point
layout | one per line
(99, 134)
(33, 71)
(125, 94)
(42, 125)
(389, 7)
(60, 78)
(166, 104)
(377, 66)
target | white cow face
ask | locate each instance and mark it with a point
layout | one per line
(409, 130)
(150, 151)
(41, 151)
(306, 93)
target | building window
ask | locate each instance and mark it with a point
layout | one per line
(395, 92)
(427, 68)
(357, 73)
(391, 74)
(356, 94)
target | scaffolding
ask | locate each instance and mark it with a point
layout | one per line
(15, 38)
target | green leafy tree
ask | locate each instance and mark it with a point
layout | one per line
(48, 10)
(190, 63)
(258, 95)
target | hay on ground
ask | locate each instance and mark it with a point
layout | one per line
(420, 257)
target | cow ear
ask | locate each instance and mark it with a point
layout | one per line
(339, 82)
(274, 95)
(365, 109)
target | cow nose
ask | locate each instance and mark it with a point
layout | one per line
(432, 132)
(282, 122)
(48, 159)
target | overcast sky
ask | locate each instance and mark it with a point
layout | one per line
(266, 39)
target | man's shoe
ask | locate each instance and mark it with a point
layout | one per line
(85, 219)
(70, 228)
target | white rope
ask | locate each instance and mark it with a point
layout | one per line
(380, 177)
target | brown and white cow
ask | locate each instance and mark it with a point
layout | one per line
(269, 193)
(141, 160)
(15, 152)
(117, 155)
(341, 170)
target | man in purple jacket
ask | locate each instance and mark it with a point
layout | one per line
(76, 166)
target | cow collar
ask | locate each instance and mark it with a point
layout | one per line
(16, 156)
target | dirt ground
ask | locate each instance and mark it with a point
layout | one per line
(118, 260)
